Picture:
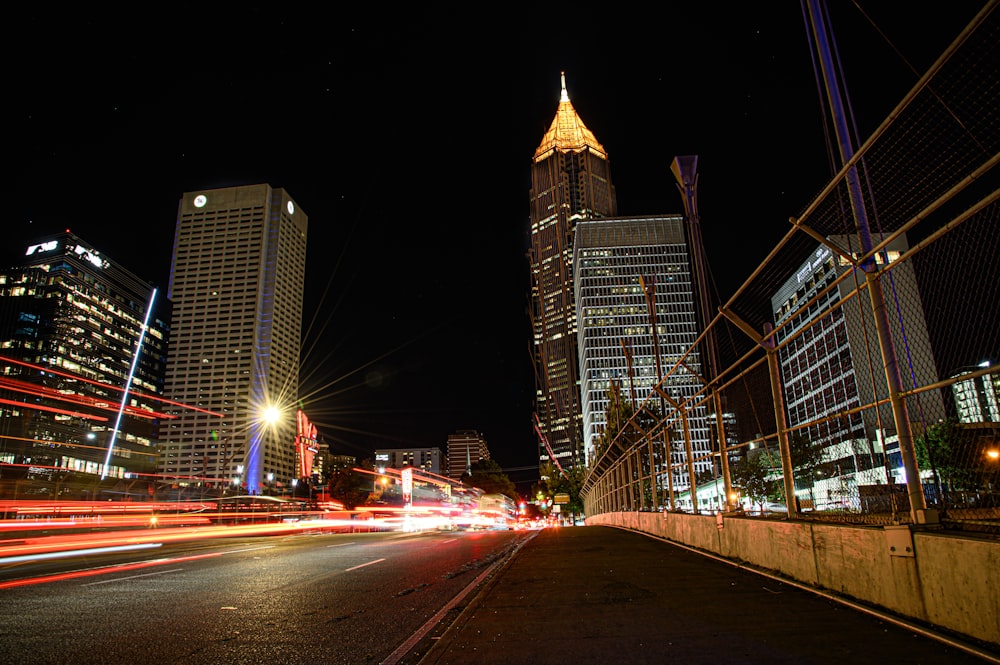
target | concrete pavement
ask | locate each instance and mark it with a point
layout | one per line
(596, 594)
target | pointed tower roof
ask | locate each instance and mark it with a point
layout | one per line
(567, 132)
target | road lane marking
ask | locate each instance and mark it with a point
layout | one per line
(363, 565)
(340, 545)
(132, 577)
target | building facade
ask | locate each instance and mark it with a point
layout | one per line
(829, 380)
(425, 459)
(570, 182)
(465, 448)
(976, 396)
(236, 281)
(82, 361)
(615, 261)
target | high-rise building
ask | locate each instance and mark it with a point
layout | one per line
(570, 182)
(827, 370)
(615, 261)
(236, 281)
(465, 448)
(976, 396)
(82, 354)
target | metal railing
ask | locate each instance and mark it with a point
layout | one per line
(858, 365)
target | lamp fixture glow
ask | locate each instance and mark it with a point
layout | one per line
(270, 414)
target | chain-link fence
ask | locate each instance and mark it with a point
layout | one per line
(857, 367)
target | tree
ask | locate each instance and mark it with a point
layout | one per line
(350, 487)
(752, 475)
(488, 476)
(806, 456)
(950, 451)
(554, 482)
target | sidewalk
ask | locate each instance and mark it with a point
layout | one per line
(595, 594)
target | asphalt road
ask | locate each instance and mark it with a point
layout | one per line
(345, 598)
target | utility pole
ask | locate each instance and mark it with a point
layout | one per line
(685, 170)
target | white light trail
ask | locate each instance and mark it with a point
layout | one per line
(68, 553)
(128, 386)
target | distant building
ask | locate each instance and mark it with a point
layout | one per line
(615, 260)
(237, 282)
(827, 369)
(570, 182)
(71, 322)
(976, 397)
(331, 463)
(465, 448)
(425, 459)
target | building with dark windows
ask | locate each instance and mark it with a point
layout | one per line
(465, 448)
(615, 261)
(829, 379)
(82, 360)
(236, 281)
(570, 182)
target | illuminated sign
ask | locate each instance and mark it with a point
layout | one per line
(43, 247)
(89, 255)
(407, 475)
(305, 444)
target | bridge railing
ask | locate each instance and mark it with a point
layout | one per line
(859, 365)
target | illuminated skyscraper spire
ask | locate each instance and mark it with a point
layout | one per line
(567, 131)
(570, 181)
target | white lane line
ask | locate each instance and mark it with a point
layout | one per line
(249, 549)
(340, 545)
(132, 577)
(450, 540)
(363, 565)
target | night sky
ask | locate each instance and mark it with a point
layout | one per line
(407, 139)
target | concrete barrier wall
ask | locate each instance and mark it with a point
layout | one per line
(950, 581)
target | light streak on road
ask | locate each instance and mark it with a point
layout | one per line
(105, 570)
(83, 552)
(363, 565)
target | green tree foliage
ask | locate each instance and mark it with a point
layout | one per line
(350, 487)
(488, 476)
(954, 453)
(806, 457)
(752, 475)
(554, 482)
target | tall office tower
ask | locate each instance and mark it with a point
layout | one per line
(465, 448)
(570, 181)
(825, 369)
(71, 323)
(976, 397)
(615, 260)
(236, 282)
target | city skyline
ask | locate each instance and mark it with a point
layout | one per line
(413, 329)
